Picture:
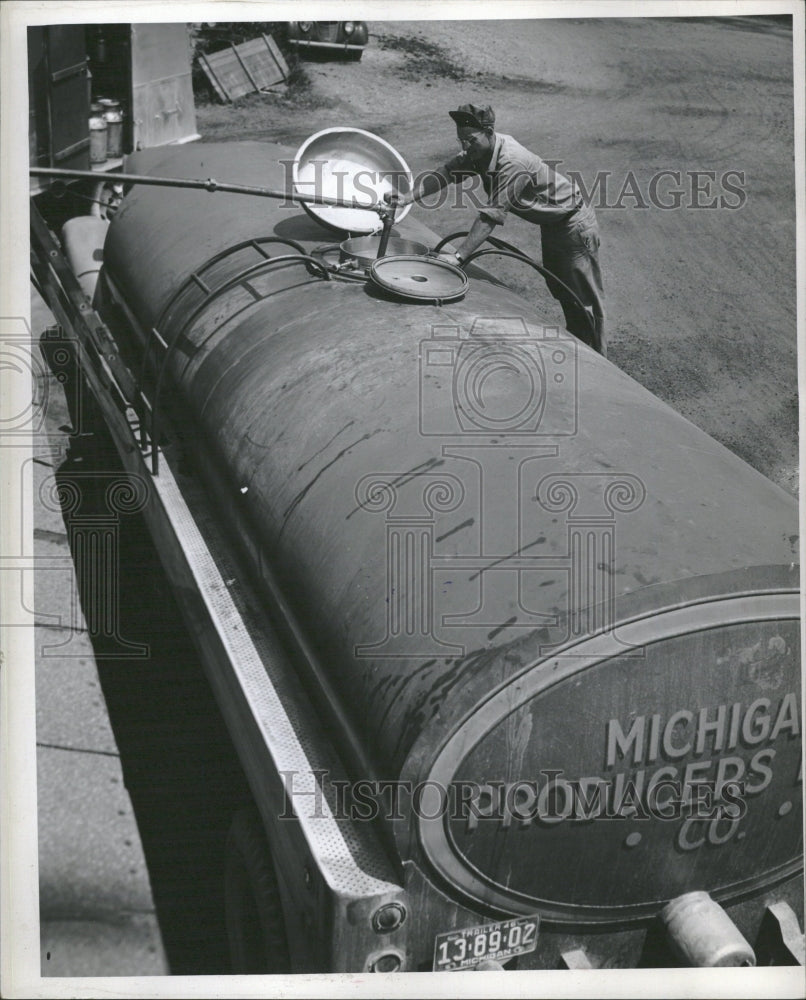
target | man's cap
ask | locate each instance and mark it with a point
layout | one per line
(478, 115)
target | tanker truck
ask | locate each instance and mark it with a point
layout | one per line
(508, 648)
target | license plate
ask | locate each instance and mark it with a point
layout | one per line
(499, 942)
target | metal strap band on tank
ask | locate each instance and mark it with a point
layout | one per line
(238, 279)
(195, 278)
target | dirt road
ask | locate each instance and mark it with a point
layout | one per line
(701, 299)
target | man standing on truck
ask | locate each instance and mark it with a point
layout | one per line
(518, 180)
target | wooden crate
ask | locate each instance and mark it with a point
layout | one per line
(243, 69)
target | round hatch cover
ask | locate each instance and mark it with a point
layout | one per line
(425, 278)
(351, 165)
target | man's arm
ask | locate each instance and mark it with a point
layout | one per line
(424, 186)
(479, 231)
(510, 181)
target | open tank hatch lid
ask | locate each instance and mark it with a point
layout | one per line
(349, 164)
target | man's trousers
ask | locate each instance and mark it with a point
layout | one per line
(571, 253)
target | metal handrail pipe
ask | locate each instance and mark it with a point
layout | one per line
(210, 184)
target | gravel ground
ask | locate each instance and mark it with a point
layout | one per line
(701, 302)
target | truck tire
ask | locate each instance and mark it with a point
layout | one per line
(252, 907)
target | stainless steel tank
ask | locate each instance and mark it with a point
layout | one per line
(522, 574)
(363, 250)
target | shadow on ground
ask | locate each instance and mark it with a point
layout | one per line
(180, 769)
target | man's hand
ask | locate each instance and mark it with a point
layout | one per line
(449, 257)
(479, 232)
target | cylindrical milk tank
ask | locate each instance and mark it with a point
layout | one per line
(98, 138)
(114, 120)
(510, 559)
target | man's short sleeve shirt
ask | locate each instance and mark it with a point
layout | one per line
(519, 181)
